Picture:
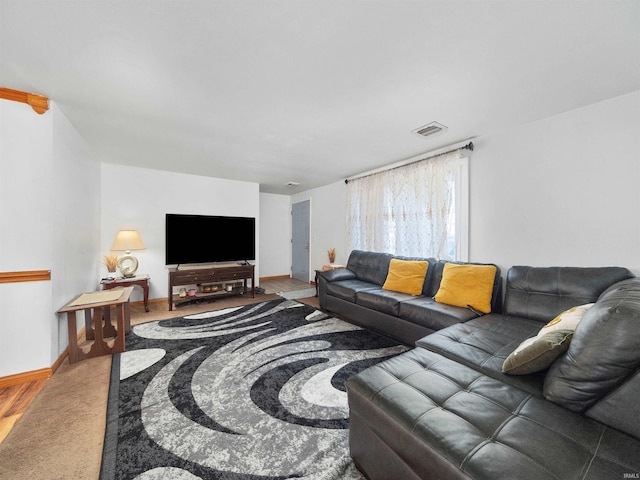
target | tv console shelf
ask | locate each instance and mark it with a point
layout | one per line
(211, 275)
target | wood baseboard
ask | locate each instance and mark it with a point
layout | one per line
(277, 277)
(44, 373)
(25, 377)
(28, 377)
(151, 301)
(60, 359)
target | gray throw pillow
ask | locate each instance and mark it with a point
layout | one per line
(537, 353)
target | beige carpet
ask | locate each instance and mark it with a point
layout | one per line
(60, 435)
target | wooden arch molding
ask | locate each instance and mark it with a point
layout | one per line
(39, 103)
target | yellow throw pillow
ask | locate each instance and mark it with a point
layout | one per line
(406, 276)
(467, 286)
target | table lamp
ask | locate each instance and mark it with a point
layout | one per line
(127, 240)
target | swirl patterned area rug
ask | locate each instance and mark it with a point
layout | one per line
(253, 392)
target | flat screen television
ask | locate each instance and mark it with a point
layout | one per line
(209, 239)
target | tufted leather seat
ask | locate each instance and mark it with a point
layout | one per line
(421, 415)
(484, 343)
(446, 410)
(384, 301)
(348, 289)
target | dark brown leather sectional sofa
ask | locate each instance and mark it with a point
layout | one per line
(445, 410)
(356, 293)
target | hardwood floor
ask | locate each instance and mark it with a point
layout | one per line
(15, 400)
(284, 285)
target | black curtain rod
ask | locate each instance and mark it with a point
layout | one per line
(468, 146)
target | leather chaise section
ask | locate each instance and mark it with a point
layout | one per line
(445, 410)
(484, 343)
(451, 418)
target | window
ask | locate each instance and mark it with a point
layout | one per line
(419, 209)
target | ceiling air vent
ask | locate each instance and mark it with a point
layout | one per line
(292, 184)
(430, 129)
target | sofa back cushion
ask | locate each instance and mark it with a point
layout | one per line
(604, 352)
(369, 266)
(541, 293)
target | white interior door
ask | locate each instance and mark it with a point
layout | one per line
(300, 233)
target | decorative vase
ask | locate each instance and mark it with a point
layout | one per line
(332, 255)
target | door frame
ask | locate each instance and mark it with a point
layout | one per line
(308, 257)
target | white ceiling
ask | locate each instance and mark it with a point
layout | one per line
(310, 91)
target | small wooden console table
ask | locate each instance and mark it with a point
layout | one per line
(214, 276)
(97, 321)
(141, 281)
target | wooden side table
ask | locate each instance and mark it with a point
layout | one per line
(141, 281)
(98, 326)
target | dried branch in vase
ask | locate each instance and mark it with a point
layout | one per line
(111, 262)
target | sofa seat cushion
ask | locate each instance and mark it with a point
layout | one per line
(385, 301)
(347, 289)
(484, 343)
(450, 417)
(426, 312)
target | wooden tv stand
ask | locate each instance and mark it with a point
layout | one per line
(214, 277)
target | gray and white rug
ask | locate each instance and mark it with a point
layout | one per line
(253, 392)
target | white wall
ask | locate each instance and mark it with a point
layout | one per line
(561, 191)
(328, 214)
(139, 198)
(48, 206)
(25, 237)
(76, 226)
(275, 235)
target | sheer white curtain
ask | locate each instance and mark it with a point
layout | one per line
(412, 210)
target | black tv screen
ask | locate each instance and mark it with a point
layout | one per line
(209, 239)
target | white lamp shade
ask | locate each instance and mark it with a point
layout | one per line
(127, 240)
